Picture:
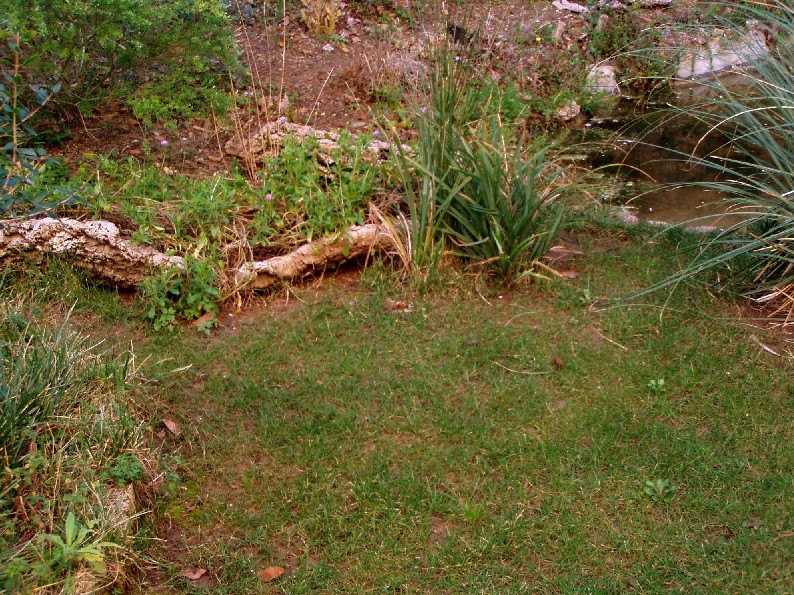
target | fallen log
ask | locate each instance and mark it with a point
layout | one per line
(99, 248)
(357, 241)
(95, 246)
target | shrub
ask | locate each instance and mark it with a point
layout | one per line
(25, 186)
(91, 46)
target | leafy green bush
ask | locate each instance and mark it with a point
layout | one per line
(140, 47)
(26, 187)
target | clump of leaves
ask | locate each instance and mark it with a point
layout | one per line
(320, 16)
(126, 469)
(188, 293)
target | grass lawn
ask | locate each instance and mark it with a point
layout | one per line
(512, 442)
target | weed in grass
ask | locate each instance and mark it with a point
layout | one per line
(62, 552)
(659, 490)
(655, 385)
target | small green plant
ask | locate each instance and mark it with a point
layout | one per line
(655, 385)
(659, 490)
(60, 553)
(126, 469)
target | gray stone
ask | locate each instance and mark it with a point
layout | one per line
(602, 78)
(722, 54)
(570, 111)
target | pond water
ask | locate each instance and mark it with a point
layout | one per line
(652, 176)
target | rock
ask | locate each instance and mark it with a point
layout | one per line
(120, 507)
(602, 22)
(569, 111)
(556, 37)
(572, 6)
(723, 54)
(328, 47)
(602, 78)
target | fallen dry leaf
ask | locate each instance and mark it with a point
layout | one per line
(172, 426)
(194, 576)
(271, 573)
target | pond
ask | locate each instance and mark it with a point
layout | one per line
(654, 178)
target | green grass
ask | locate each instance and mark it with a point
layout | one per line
(371, 450)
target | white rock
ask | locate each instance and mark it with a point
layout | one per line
(602, 78)
(721, 54)
(572, 6)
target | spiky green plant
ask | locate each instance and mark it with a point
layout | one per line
(471, 189)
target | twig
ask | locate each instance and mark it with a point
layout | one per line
(519, 371)
(603, 336)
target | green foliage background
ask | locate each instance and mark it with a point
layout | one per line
(137, 49)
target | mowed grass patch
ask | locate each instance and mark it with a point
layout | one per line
(523, 443)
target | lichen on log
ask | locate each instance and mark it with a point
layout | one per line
(95, 246)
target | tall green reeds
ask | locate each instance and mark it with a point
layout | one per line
(755, 112)
(471, 188)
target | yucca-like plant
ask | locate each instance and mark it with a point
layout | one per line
(756, 113)
(511, 208)
(429, 175)
(470, 188)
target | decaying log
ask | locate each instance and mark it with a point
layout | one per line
(98, 247)
(314, 256)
